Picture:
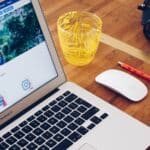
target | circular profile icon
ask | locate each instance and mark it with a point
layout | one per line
(26, 84)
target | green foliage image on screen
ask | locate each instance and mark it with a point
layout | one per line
(19, 32)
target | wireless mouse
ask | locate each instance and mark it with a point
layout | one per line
(123, 83)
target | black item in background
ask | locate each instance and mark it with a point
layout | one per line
(145, 7)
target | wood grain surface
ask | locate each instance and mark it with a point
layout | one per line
(121, 20)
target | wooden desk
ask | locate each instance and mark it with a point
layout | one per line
(121, 20)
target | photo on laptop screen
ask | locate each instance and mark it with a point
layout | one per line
(16, 34)
(25, 62)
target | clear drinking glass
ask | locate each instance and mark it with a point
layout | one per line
(79, 36)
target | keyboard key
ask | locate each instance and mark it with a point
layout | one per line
(70, 98)
(3, 146)
(39, 141)
(22, 124)
(14, 147)
(34, 124)
(72, 105)
(45, 126)
(54, 129)
(48, 113)
(83, 102)
(38, 113)
(8, 134)
(67, 93)
(87, 115)
(62, 104)
(22, 142)
(31, 146)
(68, 119)
(82, 130)
(59, 98)
(96, 120)
(45, 108)
(38, 131)
(30, 137)
(52, 121)
(26, 129)
(1, 139)
(43, 147)
(66, 110)
(55, 108)
(47, 135)
(82, 109)
(58, 137)
(61, 124)
(19, 134)
(75, 114)
(72, 126)
(51, 143)
(15, 129)
(103, 116)
(59, 115)
(31, 118)
(65, 132)
(79, 121)
(41, 118)
(11, 140)
(91, 126)
(74, 136)
(64, 145)
(52, 103)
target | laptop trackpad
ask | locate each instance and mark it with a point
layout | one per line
(87, 147)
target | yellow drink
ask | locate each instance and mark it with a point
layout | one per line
(79, 34)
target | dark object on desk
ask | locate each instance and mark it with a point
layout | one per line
(145, 7)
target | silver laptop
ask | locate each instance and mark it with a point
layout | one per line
(39, 109)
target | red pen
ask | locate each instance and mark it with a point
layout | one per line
(134, 70)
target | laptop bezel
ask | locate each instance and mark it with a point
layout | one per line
(47, 88)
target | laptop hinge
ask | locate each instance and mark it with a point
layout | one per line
(28, 108)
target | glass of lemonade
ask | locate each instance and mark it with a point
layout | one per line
(79, 36)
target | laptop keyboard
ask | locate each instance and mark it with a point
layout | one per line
(56, 126)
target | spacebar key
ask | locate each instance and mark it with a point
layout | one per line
(63, 145)
(90, 113)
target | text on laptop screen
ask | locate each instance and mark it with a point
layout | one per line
(25, 62)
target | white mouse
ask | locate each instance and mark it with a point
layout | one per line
(123, 83)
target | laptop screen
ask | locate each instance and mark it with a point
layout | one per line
(25, 62)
